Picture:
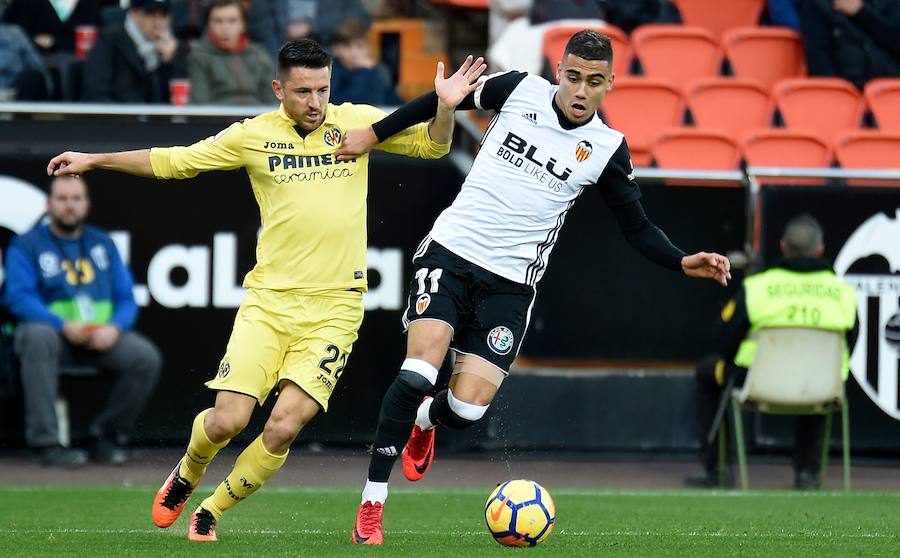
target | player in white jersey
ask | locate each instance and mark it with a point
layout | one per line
(476, 272)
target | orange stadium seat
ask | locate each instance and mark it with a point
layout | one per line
(868, 149)
(691, 148)
(766, 54)
(729, 105)
(639, 107)
(883, 98)
(823, 106)
(785, 148)
(555, 39)
(715, 16)
(677, 53)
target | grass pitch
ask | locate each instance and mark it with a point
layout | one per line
(110, 521)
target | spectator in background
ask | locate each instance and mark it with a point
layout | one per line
(51, 23)
(543, 11)
(785, 13)
(354, 76)
(805, 280)
(628, 14)
(22, 75)
(272, 22)
(853, 39)
(226, 68)
(133, 62)
(72, 296)
(188, 19)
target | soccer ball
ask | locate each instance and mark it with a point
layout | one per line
(520, 513)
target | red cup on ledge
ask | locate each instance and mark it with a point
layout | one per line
(179, 91)
(85, 37)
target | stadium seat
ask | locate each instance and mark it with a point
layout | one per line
(716, 17)
(676, 53)
(639, 107)
(883, 98)
(729, 105)
(823, 106)
(766, 54)
(556, 37)
(785, 148)
(868, 149)
(691, 148)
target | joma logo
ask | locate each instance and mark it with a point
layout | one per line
(277, 145)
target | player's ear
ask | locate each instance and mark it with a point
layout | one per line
(609, 86)
(558, 71)
(276, 87)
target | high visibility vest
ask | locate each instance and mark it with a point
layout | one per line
(784, 298)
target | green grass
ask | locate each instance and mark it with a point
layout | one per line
(316, 523)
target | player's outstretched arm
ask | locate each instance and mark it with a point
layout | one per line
(448, 91)
(707, 265)
(75, 163)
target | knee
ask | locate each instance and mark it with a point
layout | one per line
(282, 428)
(37, 338)
(225, 424)
(417, 375)
(706, 371)
(149, 362)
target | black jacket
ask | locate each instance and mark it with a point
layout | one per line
(38, 17)
(856, 48)
(115, 72)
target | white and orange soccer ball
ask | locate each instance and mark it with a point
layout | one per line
(520, 513)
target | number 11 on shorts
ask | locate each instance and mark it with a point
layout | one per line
(433, 278)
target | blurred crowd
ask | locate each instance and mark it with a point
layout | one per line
(222, 52)
(178, 51)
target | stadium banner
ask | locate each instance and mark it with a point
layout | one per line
(862, 238)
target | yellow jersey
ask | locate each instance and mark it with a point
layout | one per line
(312, 207)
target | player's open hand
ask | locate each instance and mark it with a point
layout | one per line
(70, 163)
(707, 266)
(454, 89)
(356, 143)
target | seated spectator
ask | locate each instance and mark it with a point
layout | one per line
(22, 75)
(188, 19)
(751, 309)
(628, 14)
(785, 13)
(354, 76)
(226, 68)
(133, 62)
(72, 296)
(852, 39)
(51, 24)
(272, 22)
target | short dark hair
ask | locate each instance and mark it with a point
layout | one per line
(590, 45)
(802, 236)
(213, 4)
(305, 53)
(67, 178)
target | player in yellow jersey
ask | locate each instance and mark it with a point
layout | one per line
(299, 319)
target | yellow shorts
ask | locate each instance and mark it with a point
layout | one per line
(286, 335)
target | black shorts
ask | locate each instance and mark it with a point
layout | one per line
(488, 313)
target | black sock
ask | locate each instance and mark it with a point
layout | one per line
(398, 413)
(441, 414)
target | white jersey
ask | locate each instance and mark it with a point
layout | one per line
(526, 177)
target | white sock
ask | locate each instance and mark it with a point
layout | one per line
(375, 492)
(423, 421)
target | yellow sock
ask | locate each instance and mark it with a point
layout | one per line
(200, 451)
(254, 466)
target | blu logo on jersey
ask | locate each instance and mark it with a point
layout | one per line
(518, 145)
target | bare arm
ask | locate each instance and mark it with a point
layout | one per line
(441, 128)
(129, 162)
